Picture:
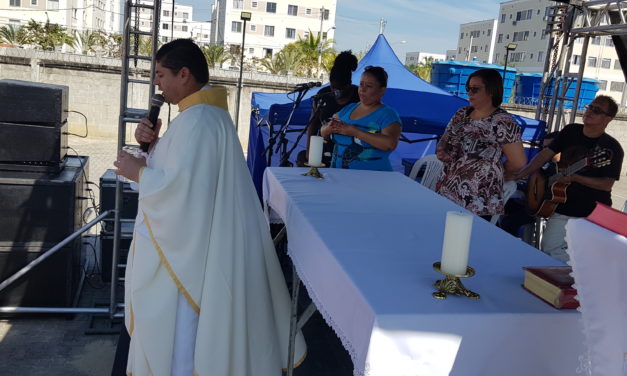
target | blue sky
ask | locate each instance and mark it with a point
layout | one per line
(425, 25)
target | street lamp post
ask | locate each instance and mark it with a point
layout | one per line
(508, 47)
(320, 48)
(244, 16)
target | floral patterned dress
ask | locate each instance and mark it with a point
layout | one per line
(473, 178)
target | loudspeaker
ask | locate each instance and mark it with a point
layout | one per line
(106, 253)
(107, 199)
(53, 283)
(33, 102)
(32, 143)
(40, 210)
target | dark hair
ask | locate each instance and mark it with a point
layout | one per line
(343, 66)
(612, 107)
(493, 84)
(379, 74)
(184, 53)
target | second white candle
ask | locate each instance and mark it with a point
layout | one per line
(456, 242)
(315, 150)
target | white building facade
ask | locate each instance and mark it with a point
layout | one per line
(476, 41)
(76, 15)
(415, 58)
(273, 24)
(174, 23)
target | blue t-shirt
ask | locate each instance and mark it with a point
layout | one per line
(353, 153)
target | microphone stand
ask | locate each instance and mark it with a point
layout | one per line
(281, 133)
(304, 130)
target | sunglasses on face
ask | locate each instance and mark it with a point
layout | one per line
(596, 110)
(473, 89)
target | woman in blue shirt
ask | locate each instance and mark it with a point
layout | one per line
(365, 133)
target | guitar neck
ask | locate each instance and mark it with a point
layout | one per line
(569, 170)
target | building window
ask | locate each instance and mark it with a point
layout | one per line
(459, 50)
(576, 59)
(609, 42)
(267, 52)
(254, 4)
(16, 23)
(475, 34)
(540, 56)
(518, 57)
(473, 49)
(165, 26)
(164, 39)
(236, 26)
(292, 10)
(596, 40)
(271, 7)
(325, 14)
(617, 64)
(238, 4)
(15, 3)
(606, 63)
(616, 86)
(33, 2)
(185, 15)
(184, 28)
(503, 18)
(308, 11)
(489, 32)
(592, 61)
(521, 36)
(290, 33)
(251, 50)
(306, 34)
(602, 85)
(166, 13)
(461, 36)
(500, 38)
(253, 27)
(268, 31)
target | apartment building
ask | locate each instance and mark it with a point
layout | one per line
(174, 23)
(272, 25)
(476, 41)
(71, 14)
(415, 58)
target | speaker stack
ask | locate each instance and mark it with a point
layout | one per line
(42, 195)
(128, 212)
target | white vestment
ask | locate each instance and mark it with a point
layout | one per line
(201, 235)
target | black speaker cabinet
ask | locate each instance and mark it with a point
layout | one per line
(40, 209)
(107, 199)
(106, 253)
(32, 143)
(53, 283)
(33, 102)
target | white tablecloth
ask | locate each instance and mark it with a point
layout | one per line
(364, 243)
(599, 260)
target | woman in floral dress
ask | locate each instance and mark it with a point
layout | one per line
(473, 146)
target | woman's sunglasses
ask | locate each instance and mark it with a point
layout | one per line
(473, 89)
(596, 110)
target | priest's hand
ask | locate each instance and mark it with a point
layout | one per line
(129, 166)
(145, 131)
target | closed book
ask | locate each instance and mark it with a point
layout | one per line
(553, 284)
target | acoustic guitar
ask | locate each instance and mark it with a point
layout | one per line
(544, 193)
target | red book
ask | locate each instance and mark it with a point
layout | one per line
(553, 284)
(609, 218)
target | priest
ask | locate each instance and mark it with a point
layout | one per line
(204, 292)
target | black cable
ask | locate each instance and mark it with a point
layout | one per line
(91, 194)
(86, 128)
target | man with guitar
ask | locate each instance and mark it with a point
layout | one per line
(595, 160)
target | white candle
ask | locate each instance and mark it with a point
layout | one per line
(315, 151)
(456, 242)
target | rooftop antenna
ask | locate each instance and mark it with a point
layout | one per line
(382, 23)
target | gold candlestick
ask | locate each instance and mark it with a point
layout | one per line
(313, 171)
(451, 285)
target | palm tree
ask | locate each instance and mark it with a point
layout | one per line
(285, 61)
(87, 41)
(311, 47)
(215, 54)
(423, 69)
(12, 35)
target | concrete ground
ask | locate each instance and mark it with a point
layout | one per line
(54, 345)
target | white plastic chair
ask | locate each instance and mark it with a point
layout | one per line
(433, 169)
(509, 188)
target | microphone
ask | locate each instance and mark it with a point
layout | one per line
(155, 106)
(306, 86)
(336, 94)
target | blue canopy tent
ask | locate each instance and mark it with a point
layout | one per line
(424, 109)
